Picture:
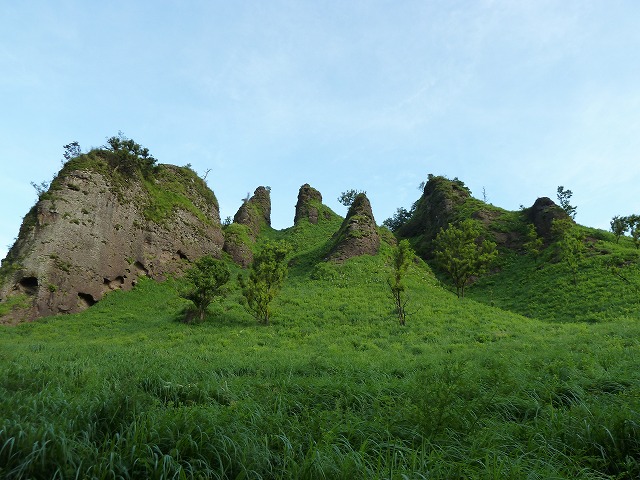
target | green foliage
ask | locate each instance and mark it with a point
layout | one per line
(634, 228)
(331, 390)
(626, 270)
(266, 276)
(15, 302)
(175, 188)
(538, 287)
(619, 225)
(447, 201)
(71, 150)
(41, 188)
(401, 217)
(347, 198)
(534, 243)
(128, 157)
(206, 280)
(462, 253)
(238, 233)
(401, 259)
(564, 197)
(569, 244)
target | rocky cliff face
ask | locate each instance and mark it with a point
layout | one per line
(358, 234)
(94, 232)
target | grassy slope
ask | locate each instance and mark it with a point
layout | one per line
(543, 287)
(333, 389)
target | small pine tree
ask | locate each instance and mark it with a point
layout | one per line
(266, 276)
(401, 217)
(129, 157)
(619, 225)
(564, 197)
(403, 255)
(347, 198)
(633, 221)
(205, 281)
(71, 151)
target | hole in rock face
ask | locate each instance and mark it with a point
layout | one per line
(86, 299)
(29, 285)
(141, 269)
(182, 255)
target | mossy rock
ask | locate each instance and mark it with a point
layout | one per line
(358, 234)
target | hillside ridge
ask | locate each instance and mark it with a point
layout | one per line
(112, 215)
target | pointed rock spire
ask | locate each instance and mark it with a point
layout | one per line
(307, 207)
(251, 217)
(255, 212)
(358, 234)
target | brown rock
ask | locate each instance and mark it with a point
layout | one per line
(358, 234)
(252, 216)
(255, 212)
(542, 214)
(238, 244)
(307, 207)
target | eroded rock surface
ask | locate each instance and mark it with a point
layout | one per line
(358, 234)
(542, 214)
(307, 207)
(87, 238)
(251, 217)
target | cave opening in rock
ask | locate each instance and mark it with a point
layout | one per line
(86, 299)
(29, 285)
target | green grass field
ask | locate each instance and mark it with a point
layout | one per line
(334, 388)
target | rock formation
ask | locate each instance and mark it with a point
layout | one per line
(255, 212)
(309, 200)
(252, 216)
(542, 214)
(358, 234)
(435, 208)
(95, 231)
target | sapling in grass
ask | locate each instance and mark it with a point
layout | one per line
(206, 280)
(403, 254)
(266, 276)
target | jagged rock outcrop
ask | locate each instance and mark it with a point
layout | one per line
(95, 231)
(542, 214)
(358, 234)
(255, 212)
(309, 200)
(253, 215)
(436, 207)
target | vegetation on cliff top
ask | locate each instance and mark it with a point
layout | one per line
(164, 188)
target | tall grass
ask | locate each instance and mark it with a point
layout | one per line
(333, 389)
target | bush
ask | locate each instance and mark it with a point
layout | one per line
(206, 282)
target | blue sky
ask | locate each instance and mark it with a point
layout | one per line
(516, 97)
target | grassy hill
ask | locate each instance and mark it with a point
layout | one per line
(607, 285)
(334, 388)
